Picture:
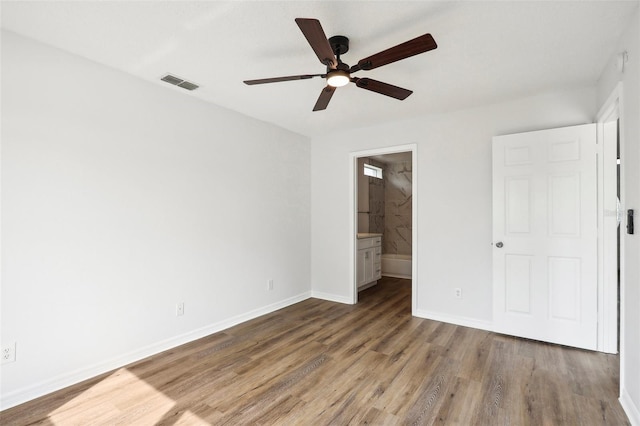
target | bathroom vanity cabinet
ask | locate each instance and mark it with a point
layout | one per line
(368, 262)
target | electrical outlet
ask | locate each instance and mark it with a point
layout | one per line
(270, 285)
(458, 293)
(180, 309)
(9, 353)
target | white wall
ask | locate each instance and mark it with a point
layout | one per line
(454, 198)
(630, 148)
(121, 198)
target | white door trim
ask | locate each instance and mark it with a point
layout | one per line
(616, 99)
(353, 209)
(607, 290)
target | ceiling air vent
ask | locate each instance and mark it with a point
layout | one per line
(177, 81)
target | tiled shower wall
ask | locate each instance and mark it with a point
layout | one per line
(397, 208)
(389, 205)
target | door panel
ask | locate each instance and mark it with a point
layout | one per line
(564, 205)
(518, 275)
(564, 288)
(544, 214)
(518, 193)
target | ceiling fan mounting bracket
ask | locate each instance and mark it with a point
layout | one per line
(339, 44)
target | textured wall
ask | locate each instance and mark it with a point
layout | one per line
(397, 208)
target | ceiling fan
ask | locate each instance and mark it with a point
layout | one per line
(339, 74)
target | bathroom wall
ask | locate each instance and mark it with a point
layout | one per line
(397, 208)
(376, 200)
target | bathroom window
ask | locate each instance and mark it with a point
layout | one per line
(372, 171)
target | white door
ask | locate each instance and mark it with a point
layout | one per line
(545, 235)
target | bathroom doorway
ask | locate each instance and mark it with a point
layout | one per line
(384, 218)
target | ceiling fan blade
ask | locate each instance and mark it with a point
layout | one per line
(418, 45)
(382, 88)
(324, 98)
(278, 79)
(314, 33)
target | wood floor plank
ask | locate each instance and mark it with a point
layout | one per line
(347, 391)
(432, 394)
(373, 416)
(409, 369)
(320, 362)
(475, 359)
(464, 396)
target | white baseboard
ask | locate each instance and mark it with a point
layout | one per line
(37, 390)
(331, 297)
(630, 408)
(452, 319)
(403, 276)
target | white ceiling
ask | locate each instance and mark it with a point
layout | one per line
(487, 51)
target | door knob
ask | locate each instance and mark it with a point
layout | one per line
(499, 244)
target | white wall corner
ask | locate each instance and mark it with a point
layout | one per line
(456, 320)
(630, 408)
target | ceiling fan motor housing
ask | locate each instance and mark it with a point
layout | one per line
(339, 44)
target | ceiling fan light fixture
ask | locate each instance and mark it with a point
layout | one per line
(338, 78)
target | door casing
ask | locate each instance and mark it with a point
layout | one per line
(607, 235)
(353, 209)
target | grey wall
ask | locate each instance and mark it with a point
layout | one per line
(121, 198)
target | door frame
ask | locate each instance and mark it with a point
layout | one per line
(608, 315)
(353, 215)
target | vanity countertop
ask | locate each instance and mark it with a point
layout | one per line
(367, 235)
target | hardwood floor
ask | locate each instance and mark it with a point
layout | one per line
(319, 362)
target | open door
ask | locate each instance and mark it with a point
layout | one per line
(545, 235)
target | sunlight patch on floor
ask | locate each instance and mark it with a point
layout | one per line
(137, 401)
(190, 419)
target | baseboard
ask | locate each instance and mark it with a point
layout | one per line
(630, 408)
(367, 285)
(62, 381)
(331, 297)
(403, 276)
(453, 319)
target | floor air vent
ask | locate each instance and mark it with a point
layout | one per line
(177, 81)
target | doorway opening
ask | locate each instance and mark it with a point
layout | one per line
(384, 218)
